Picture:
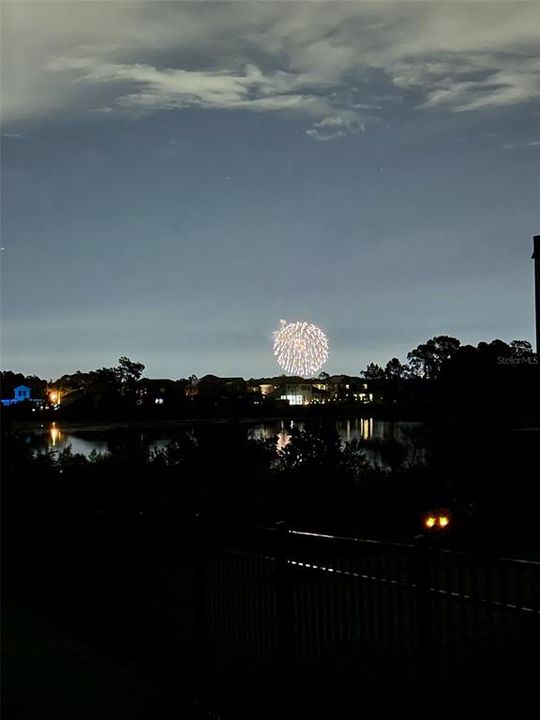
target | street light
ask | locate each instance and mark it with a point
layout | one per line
(54, 397)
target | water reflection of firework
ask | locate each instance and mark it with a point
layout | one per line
(300, 348)
(283, 439)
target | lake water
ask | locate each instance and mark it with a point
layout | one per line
(55, 436)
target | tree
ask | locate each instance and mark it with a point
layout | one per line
(103, 386)
(315, 475)
(373, 372)
(427, 359)
(394, 370)
(128, 371)
(420, 361)
(521, 348)
(490, 352)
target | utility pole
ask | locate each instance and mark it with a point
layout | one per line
(536, 258)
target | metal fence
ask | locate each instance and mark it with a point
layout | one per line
(276, 622)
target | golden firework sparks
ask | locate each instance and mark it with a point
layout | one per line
(300, 348)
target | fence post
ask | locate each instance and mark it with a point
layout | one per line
(285, 621)
(423, 688)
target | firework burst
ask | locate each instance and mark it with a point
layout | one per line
(300, 348)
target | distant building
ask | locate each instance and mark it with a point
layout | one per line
(285, 390)
(300, 391)
(215, 389)
(297, 394)
(346, 388)
(21, 393)
(159, 391)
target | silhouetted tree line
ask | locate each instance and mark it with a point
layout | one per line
(438, 373)
(432, 359)
(443, 372)
(10, 380)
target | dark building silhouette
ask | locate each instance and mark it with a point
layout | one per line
(214, 388)
(536, 258)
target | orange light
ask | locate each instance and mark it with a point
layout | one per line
(54, 397)
(430, 521)
(56, 435)
(444, 520)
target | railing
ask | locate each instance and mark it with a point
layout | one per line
(277, 622)
(299, 624)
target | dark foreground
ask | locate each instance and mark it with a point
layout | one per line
(128, 617)
(50, 671)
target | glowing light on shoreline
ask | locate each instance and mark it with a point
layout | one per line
(300, 348)
(54, 397)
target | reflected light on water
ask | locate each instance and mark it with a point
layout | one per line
(55, 435)
(84, 441)
(362, 430)
(283, 439)
(366, 432)
(357, 429)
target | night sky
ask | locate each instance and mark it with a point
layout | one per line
(178, 177)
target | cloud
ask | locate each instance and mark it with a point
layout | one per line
(338, 66)
(502, 82)
(154, 88)
(335, 126)
(15, 136)
(518, 145)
